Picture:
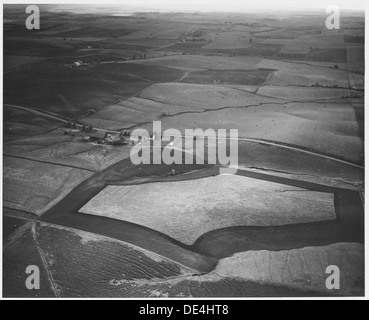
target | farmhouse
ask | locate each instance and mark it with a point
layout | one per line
(98, 137)
(77, 63)
(101, 137)
(72, 132)
(116, 139)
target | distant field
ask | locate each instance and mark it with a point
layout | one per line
(296, 93)
(187, 47)
(201, 97)
(208, 62)
(18, 123)
(355, 57)
(71, 92)
(354, 39)
(133, 111)
(35, 48)
(252, 77)
(356, 81)
(200, 206)
(287, 33)
(57, 30)
(331, 55)
(230, 40)
(256, 49)
(154, 43)
(11, 62)
(329, 78)
(138, 71)
(96, 32)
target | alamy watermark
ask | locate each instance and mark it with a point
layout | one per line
(33, 20)
(171, 147)
(333, 20)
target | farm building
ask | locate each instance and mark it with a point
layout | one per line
(101, 137)
(116, 139)
(72, 132)
(98, 137)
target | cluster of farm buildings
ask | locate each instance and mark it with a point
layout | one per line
(102, 137)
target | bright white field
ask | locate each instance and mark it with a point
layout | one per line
(302, 269)
(188, 209)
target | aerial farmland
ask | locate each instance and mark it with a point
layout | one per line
(78, 91)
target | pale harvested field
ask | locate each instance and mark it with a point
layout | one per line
(29, 144)
(199, 206)
(296, 78)
(300, 94)
(201, 62)
(301, 268)
(65, 153)
(58, 148)
(202, 96)
(304, 67)
(34, 186)
(132, 111)
(325, 128)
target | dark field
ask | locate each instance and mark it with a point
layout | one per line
(52, 87)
